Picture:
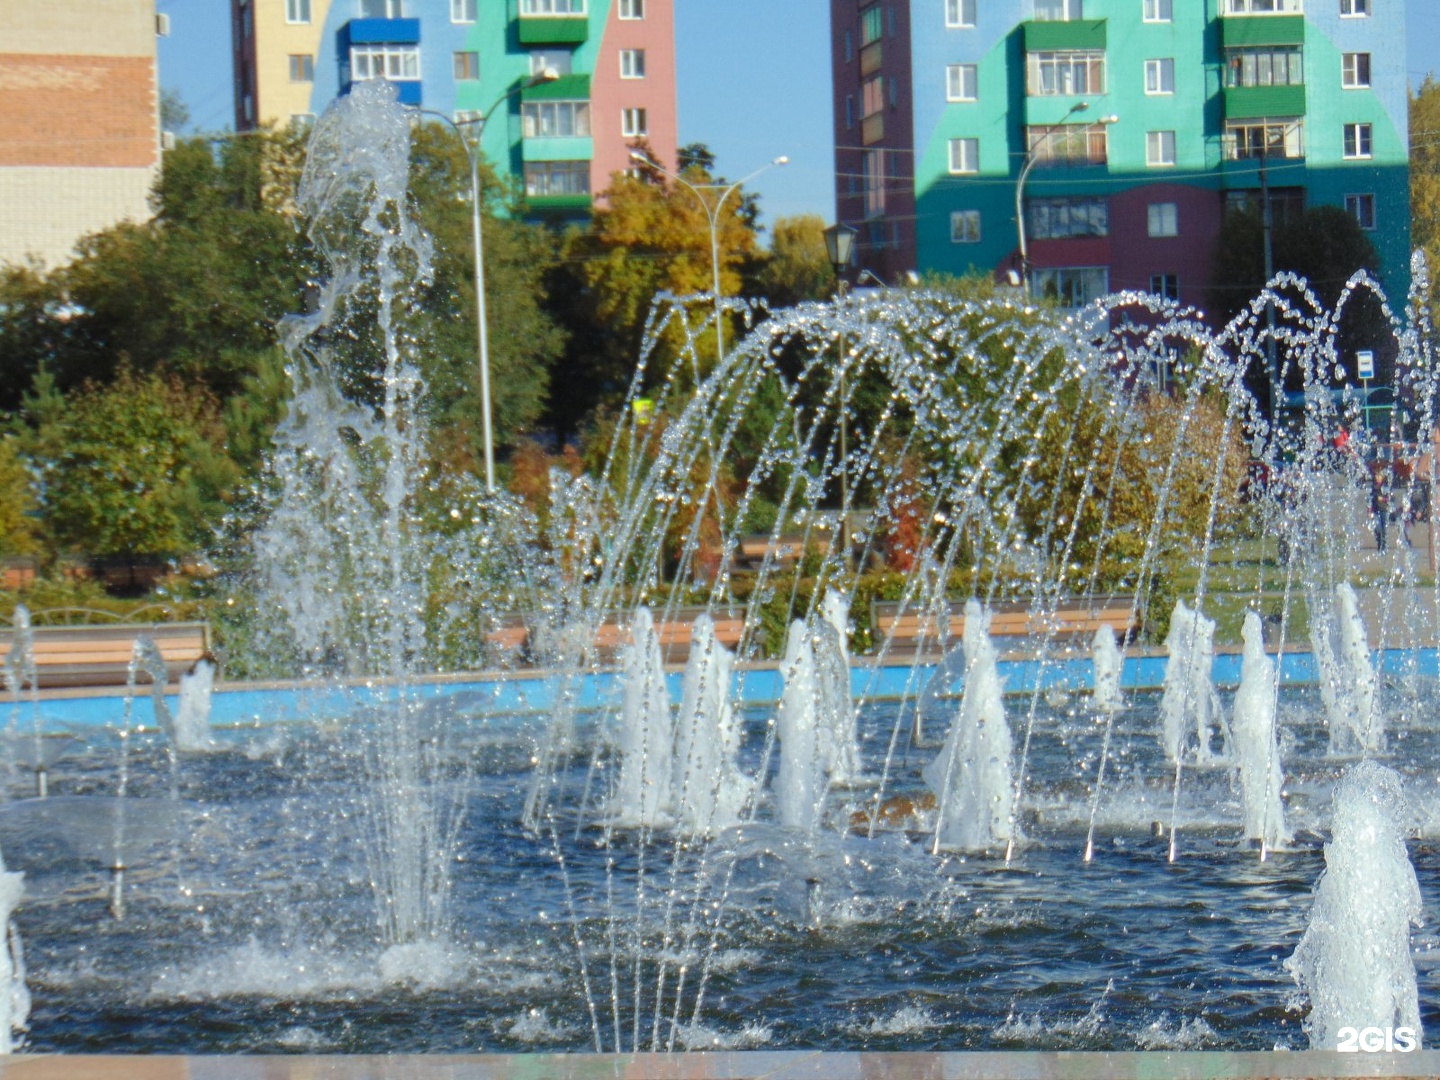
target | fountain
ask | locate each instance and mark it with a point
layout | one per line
(22, 676)
(1108, 665)
(1190, 706)
(590, 855)
(1255, 739)
(971, 777)
(1347, 679)
(191, 722)
(1354, 963)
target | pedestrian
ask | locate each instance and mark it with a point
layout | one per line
(1379, 508)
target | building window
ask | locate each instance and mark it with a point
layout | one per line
(960, 13)
(384, 62)
(1355, 70)
(381, 9)
(873, 166)
(555, 119)
(462, 11)
(297, 11)
(1165, 286)
(1351, 9)
(302, 67)
(965, 227)
(546, 178)
(632, 9)
(552, 7)
(1065, 217)
(1058, 10)
(1073, 286)
(1068, 144)
(467, 65)
(872, 96)
(961, 81)
(1267, 138)
(872, 25)
(1164, 219)
(849, 112)
(1357, 140)
(556, 60)
(964, 155)
(1159, 148)
(849, 41)
(1286, 204)
(1265, 7)
(1079, 72)
(1275, 66)
(1159, 11)
(1160, 76)
(632, 63)
(633, 124)
(1362, 209)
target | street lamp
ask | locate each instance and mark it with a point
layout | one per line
(1030, 159)
(472, 151)
(712, 215)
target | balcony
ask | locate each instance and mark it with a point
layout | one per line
(872, 128)
(1254, 101)
(1062, 36)
(1262, 7)
(382, 32)
(1254, 32)
(554, 29)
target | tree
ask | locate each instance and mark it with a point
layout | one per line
(524, 341)
(798, 266)
(650, 237)
(17, 502)
(1322, 244)
(135, 466)
(1425, 174)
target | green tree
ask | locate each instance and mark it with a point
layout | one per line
(797, 266)
(1425, 174)
(134, 466)
(524, 341)
(650, 237)
(17, 502)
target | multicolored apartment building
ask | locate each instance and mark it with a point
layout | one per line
(606, 77)
(1141, 121)
(79, 122)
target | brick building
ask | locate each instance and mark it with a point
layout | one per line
(79, 124)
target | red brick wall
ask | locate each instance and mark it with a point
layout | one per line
(94, 111)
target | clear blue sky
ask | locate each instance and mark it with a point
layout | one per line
(754, 83)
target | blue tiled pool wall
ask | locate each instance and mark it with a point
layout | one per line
(525, 695)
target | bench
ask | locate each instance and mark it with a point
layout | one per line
(914, 631)
(675, 630)
(785, 551)
(100, 655)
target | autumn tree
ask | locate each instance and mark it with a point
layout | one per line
(1425, 174)
(797, 266)
(650, 236)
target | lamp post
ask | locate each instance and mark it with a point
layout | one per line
(712, 215)
(840, 246)
(472, 151)
(1030, 159)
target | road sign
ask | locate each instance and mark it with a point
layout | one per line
(1365, 364)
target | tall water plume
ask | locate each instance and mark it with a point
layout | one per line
(1348, 685)
(1354, 962)
(971, 777)
(348, 545)
(1108, 664)
(711, 791)
(14, 993)
(839, 738)
(1189, 707)
(645, 794)
(1257, 751)
(800, 781)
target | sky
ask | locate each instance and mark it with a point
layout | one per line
(754, 84)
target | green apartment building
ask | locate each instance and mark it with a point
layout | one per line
(1125, 129)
